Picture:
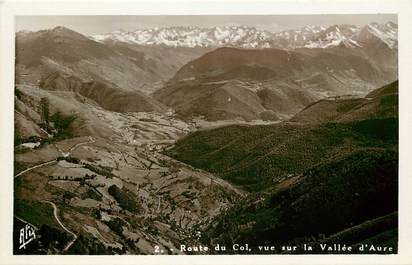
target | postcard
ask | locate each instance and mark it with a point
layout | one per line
(162, 132)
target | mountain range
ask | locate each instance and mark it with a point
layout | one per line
(207, 82)
(250, 37)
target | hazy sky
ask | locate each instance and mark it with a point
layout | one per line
(102, 24)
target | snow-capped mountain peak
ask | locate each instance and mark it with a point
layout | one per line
(334, 36)
(309, 36)
(388, 32)
(237, 36)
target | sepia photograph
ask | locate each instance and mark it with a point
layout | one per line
(206, 134)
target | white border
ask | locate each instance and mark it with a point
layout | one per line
(10, 9)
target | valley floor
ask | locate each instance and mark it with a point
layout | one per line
(121, 193)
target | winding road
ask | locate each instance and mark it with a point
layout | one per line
(91, 140)
(36, 166)
(55, 212)
(55, 209)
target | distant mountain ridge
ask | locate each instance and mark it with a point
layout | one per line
(237, 36)
(250, 37)
(347, 35)
(273, 83)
